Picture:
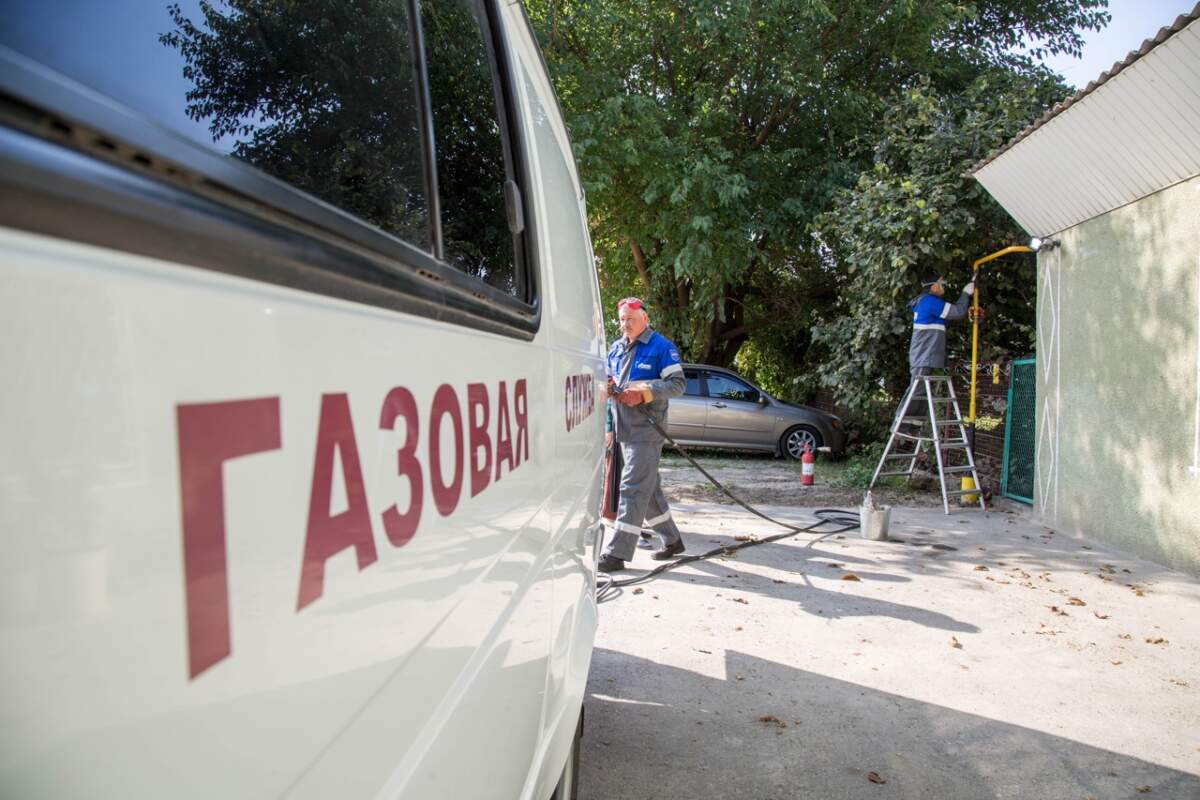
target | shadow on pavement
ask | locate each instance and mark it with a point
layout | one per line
(657, 731)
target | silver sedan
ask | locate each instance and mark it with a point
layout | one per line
(722, 409)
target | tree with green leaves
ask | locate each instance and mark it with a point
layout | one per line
(711, 135)
(916, 210)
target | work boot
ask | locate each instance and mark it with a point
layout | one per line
(645, 542)
(669, 552)
(612, 564)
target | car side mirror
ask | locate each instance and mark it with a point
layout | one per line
(763, 401)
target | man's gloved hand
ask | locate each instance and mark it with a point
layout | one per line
(630, 397)
(969, 289)
(613, 391)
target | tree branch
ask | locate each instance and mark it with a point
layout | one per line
(639, 261)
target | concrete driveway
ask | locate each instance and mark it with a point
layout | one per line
(977, 656)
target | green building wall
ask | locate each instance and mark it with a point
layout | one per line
(1117, 337)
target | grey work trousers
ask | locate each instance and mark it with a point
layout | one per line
(919, 407)
(642, 500)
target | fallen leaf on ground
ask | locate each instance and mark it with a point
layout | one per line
(1143, 789)
(955, 643)
(1116, 663)
(981, 568)
(1178, 682)
(1098, 615)
(776, 580)
(706, 652)
(1075, 601)
(741, 600)
(874, 777)
(638, 590)
(738, 628)
(744, 539)
(771, 719)
(850, 576)
(834, 565)
(1156, 640)
(740, 676)
(1058, 611)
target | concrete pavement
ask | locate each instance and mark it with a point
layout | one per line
(976, 656)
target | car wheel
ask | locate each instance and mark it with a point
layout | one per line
(798, 439)
(568, 783)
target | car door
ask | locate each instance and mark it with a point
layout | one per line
(688, 412)
(735, 416)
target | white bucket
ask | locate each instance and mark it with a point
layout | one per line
(873, 521)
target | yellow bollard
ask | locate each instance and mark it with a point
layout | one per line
(968, 499)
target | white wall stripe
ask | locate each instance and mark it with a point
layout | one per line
(1195, 468)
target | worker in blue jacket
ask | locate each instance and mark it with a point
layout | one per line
(930, 311)
(644, 373)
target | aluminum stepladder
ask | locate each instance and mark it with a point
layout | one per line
(940, 396)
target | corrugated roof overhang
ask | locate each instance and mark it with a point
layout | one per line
(1131, 133)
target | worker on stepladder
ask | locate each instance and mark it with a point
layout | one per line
(643, 370)
(927, 351)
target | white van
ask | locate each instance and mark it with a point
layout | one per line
(300, 425)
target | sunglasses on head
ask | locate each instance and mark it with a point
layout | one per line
(631, 302)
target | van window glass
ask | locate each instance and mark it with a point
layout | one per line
(318, 94)
(470, 149)
(730, 388)
(693, 382)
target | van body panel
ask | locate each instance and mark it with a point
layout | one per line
(264, 538)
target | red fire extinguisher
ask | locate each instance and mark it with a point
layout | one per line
(807, 467)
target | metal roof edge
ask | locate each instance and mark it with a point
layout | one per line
(1181, 22)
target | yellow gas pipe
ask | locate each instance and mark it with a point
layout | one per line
(969, 483)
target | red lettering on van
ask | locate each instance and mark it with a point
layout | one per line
(504, 451)
(478, 438)
(445, 404)
(521, 415)
(400, 528)
(210, 434)
(329, 534)
(578, 399)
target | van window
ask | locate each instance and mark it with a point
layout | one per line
(267, 83)
(469, 144)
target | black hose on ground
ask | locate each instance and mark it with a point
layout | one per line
(829, 521)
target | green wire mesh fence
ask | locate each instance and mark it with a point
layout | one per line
(1020, 438)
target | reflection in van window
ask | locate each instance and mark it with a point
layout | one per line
(319, 94)
(470, 150)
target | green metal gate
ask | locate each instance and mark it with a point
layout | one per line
(1020, 440)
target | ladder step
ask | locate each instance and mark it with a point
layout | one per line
(956, 470)
(901, 455)
(914, 438)
(955, 445)
(961, 492)
(894, 472)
